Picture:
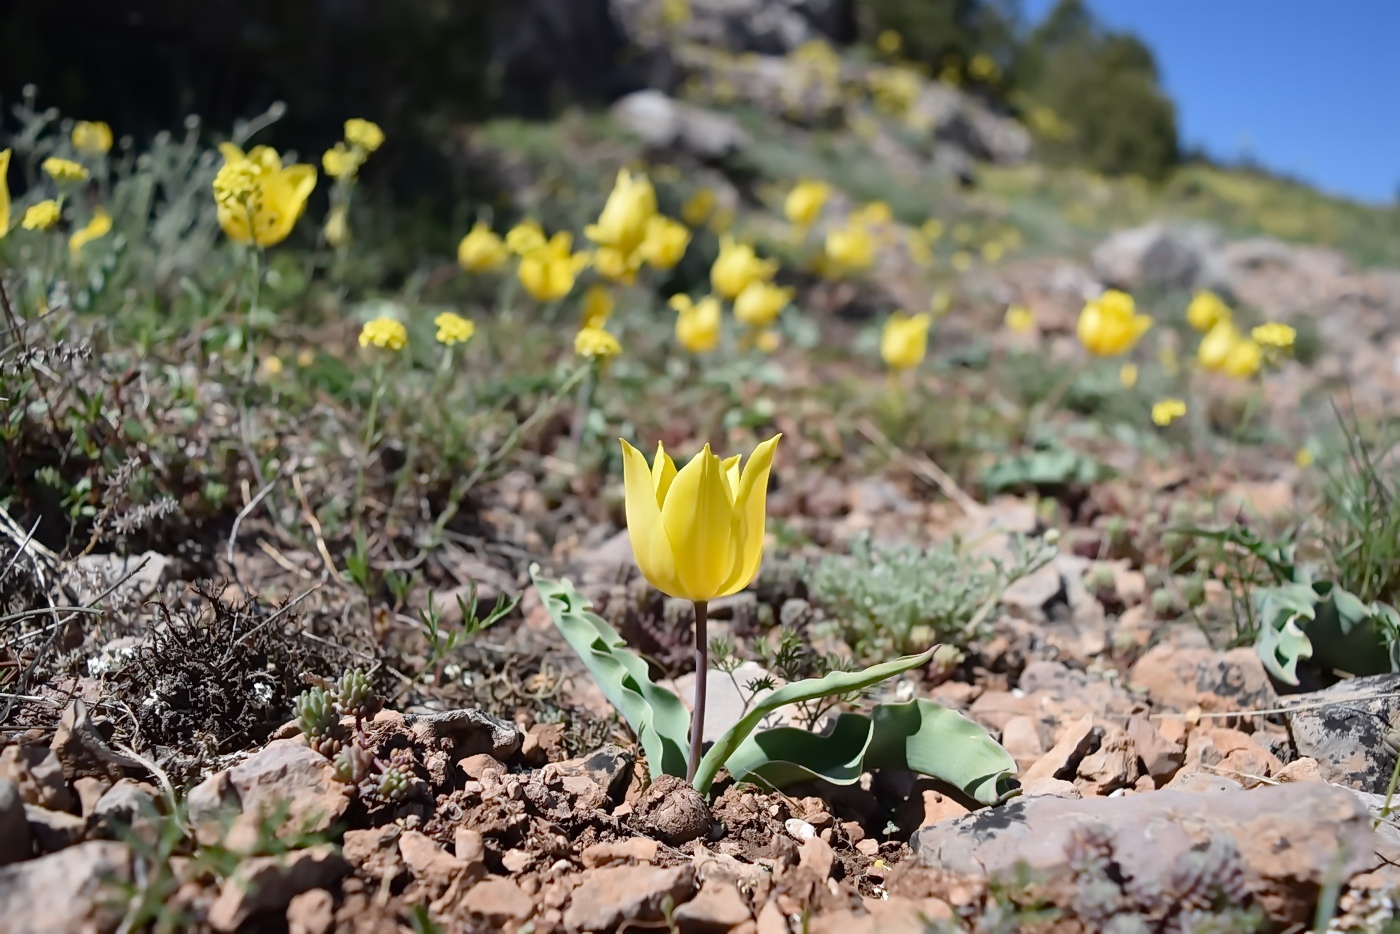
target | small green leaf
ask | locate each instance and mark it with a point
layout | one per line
(655, 714)
(838, 682)
(786, 755)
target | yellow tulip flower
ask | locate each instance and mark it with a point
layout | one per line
(616, 266)
(665, 242)
(874, 214)
(697, 533)
(597, 306)
(904, 341)
(260, 200)
(1206, 311)
(1109, 325)
(1020, 319)
(92, 138)
(697, 323)
(760, 304)
(737, 267)
(482, 250)
(1167, 411)
(4, 191)
(805, 202)
(596, 344)
(525, 237)
(850, 249)
(932, 229)
(1244, 359)
(99, 226)
(698, 209)
(623, 224)
(1216, 345)
(549, 272)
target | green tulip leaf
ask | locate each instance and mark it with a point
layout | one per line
(655, 714)
(1281, 642)
(919, 736)
(838, 682)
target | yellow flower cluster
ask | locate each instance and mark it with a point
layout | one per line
(384, 332)
(453, 329)
(64, 170)
(630, 232)
(805, 202)
(260, 200)
(92, 138)
(41, 216)
(1167, 411)
(1225, 350)
(481, 250)
(343, 160)
(596, 344)
(548, 272)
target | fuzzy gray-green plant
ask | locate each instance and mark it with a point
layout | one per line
(887, 601)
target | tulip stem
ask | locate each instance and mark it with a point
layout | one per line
(702, 678)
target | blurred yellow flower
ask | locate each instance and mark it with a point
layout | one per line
(874, 214)
(963, 233)
(615, 266)
(889, 42)
(933, 229)
(597, 306)
(306, 357)
(1167, 357)
(904, 341)
(1216, 345)
(272, 366)
(1206, 311)
(337, 229)
(622, 225)
(596, 344)
(675, 13)
(363, 134)
(1275, 335)
(1244, 359)
(92, 137)
(340, 162)
(722, 219)
(99, 226)
(525, 237)
(941, 303)
(4, 191)
(482, 250)
(737, 267)
(665, 243)
(64, 170)
(698, 209)
(983, 67)
(1128, 375)
(760, 304)
(992, 252)
(548, 273)
(805, 202)
(961, 261)
(259, 200)
(1304, 458)
(768, 340)
(41, 216)
(697, 323)
(453, 328)
(1109, 325)
(1020, 319)
(384, 332)
(850, 249)
(1167, 411)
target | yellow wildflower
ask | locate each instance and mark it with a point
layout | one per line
(363, 134)
(453, 328)
(622, 225)
(874, 214)
(919, 250)
(992, 252)
(805, 202)
(698, 209)
(41, 216)
(904, 341)
(1304, 458)
(482, 250)
(525, 237)
(889, 42)
(1275, 335)
(272, 366)
(341, 162)
(99, 226)
(697, 533)
(92, 137)
(259, 200)
(737, 267)
(961, 261)
(1206, 311)
(760, 303)
(64, 170)
(384, 332)
(850, 249)
(1216, 345)
(1128, 375)
(933, 229)
(983, 67)
(616, 266)
(963, 233)
(596, 344)
(548, 273)
(1167, 411)
(305, 357)
(1244, 359)
(1109, 325)
(1020, 319)
(941, 303)
(337, 229)
(767, 340)
(597, 306)
(4, 191)
(665, 242)
(697, 323)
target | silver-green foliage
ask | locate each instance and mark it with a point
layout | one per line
(886, 600)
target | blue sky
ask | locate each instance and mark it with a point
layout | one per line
(1308, 88)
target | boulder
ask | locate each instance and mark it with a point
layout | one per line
(1162, 256)
(664, 123)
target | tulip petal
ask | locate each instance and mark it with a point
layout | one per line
(650, 545)
(750, 506)
(663, 472)
(731, 475)
(699, 522)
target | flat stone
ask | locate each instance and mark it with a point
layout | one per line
(497, 901)
(268, 883)
(431, 865)
(466, 732)
(607, 897)
(54, 830)
(716, 908)
(38, 776)
(1161, 757)
(311, 912)
(70, 890)
(1343, 727)
(284, 777)
(1071, 746)
(15, 841)
(633, 849)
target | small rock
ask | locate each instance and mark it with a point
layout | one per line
(633, 849)
(284, 777)
(268, 883)
(673, 811)
(70, 890)
(817, 856)
(771, 919)
(53, 830)
(665, 123)
(465, 732)
(939, 807)
(89, 790)
(1343, 727)
(1229, 752)
(429, 863)
(15, 841)
(1056, 787)
(1160, 756)
(311, 912)
(607, 897)
(1021, 737)
(128, 804)
(476, 767)
(1202, 783)
(544, 742)
(1071, 746)
(497, 901)
(1162, 256)
(1218, 682)
(516, 860)
(1112, 766)
(374, 852)
(717, 907)
(36, 772)
(468, 846)
(799, 829)
(609, 769)
(1300, 770)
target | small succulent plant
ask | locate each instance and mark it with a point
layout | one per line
(354, 695)
(318, 720)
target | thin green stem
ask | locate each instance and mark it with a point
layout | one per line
(370, 422)
(702, 671)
